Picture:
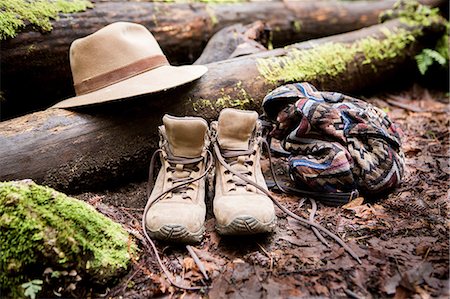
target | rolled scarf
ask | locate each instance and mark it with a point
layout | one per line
(336, 143)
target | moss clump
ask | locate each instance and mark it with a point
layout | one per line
(297, 26)
(238, 98)
(328, 59)
(41, 228)
(411, 12)
(16, 14)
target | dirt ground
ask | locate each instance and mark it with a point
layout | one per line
(402, 239)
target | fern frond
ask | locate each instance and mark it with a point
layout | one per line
(423, 62)
(442, 46)
(436, 56)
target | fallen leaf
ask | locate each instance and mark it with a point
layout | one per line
(402, 293)
(189, 264)
(354, 203)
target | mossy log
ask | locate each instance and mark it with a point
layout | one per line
(45, 235)
(94, 147)
(35, 68)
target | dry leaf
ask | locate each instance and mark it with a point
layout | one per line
(189, 264)
(354, 203)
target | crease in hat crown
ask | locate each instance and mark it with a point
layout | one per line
(114, 53)
(120, 61)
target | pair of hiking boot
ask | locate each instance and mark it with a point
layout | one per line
(176, 208)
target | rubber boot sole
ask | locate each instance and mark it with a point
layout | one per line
(177, 233)
(246, 225)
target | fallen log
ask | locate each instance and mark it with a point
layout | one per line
(45, 232)
(35, 69)
(100, 146)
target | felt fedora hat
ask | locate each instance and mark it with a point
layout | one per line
(119, 61)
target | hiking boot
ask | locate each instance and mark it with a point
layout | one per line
(239, 207)
(178, 214)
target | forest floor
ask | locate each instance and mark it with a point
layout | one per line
(402, 239)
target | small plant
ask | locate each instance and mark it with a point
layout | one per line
(428, 57)
(32, 287)
(410, 12)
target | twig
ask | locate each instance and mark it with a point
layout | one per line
(139, 268)
(352, 294)
(268, 255)
(360, 238)
(412, 108)
(197, 261)
(311, 218)
(132, 209)
(135, 233)
(427, 253)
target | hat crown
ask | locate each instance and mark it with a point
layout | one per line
(112, 47)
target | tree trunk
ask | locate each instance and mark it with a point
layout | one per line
(35, 68)
(94, 147)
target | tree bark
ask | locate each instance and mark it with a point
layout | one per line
(99, 146)
(35, 68)
(234, 41)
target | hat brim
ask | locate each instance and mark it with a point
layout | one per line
(159, 79)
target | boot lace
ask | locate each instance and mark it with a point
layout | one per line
(241, 162)
(180, 172)
(178, 185)
(307, 222)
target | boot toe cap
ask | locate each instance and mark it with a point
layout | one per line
(251, 214)
(169, 222)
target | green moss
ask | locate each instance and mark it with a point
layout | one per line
(411, 12)
(297, 26)
(201, 104)
(16, 14)
(328, 59)
(212, 16)
(155, 20)
(442, 46)
(332, 59)
(238, 98)
(42, 228)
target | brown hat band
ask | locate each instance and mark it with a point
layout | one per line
(120, 74)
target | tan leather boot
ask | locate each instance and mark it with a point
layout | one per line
(239, 207)
(179, 214)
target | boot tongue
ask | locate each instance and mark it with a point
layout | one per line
(235, 127)
(186, 135)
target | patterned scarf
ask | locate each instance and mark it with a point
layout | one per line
(336, 143)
